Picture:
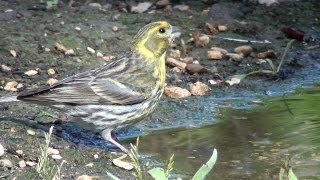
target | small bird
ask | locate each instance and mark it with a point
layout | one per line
(120, 92)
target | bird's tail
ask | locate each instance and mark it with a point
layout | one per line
(5, 99)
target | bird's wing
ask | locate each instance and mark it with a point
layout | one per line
(114, 83)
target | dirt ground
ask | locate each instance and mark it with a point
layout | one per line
(29, 32)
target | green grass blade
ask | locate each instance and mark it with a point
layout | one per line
(206, 168)
(271, 64)
(158, 173)
(291, 175)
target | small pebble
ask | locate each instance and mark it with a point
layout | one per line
(223, 51)
(13, 53)
(10, 86)
(20, 152)
(195, 68)
(77, 28)
(52, 81)
(108, 58)
(56, 156)
(222, 28)
(6, 163)
(245, 50)
(5, 68)
(174, 53)
(187, 60)
(19, 86)
(204, 40)
(22, 164)
(236, 57)
(96, 156)
(176, 92)
(214, 55)
(115, 28)
(91, 50)
(47, 50)
(31, 163)
(51, 71)
(31, 132)
(199, 89)
(53, 151)
(69, 52)
(99, 54)
(1, 150)
(31, 72)
(141, 7)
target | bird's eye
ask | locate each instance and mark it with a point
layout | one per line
(161, 30)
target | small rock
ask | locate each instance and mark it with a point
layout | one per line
(60, 47)
(10, 86)
(51, 151)
(204, 40)
(222, 28)
(223, 51)
(92, 51)
(214, 55)
(47, 50)
(96, 156)
(77, 28)
(56, 157)
(31, 163)
(174, 53)
(199, 89)
(176, 92)
(267, 54)
(141, 7)
(181, 7)
(245, 50)
(20, 152)
(19, 86)
(31, 73)
(115, 28)
(95, 5)
(168, 8)
(108, 58)
(176, 63)
(209, 29)
(187, 60)
(176, 70)
(195, 68)
(22, 164)
(234, 56)
(99, 54)
(6, 163)
(163, 2)
(213, 82)
(51, 71)
(52, 81)
(69, 52)
(31, 132)
(85, 177)
(89, 165)
(233, 81)
(1, 150)
(13, 53)
(122, 164)
(5, 68)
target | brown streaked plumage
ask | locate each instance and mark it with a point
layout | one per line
(120, 92)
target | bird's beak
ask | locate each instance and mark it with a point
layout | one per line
(175, 33)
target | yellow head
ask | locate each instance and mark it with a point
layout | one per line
(153, 40)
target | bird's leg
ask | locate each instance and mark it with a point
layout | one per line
(107, 135)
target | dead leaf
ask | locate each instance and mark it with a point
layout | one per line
(122, 164)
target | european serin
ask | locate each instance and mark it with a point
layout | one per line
(119, 93)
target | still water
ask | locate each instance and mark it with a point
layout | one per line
(252, 142)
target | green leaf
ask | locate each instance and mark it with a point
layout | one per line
(271, 64)
(157, 173)
(206, 168)
(291, 175)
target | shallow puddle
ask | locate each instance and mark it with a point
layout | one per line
(252, 143)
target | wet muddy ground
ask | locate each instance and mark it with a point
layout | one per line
(30, 30)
